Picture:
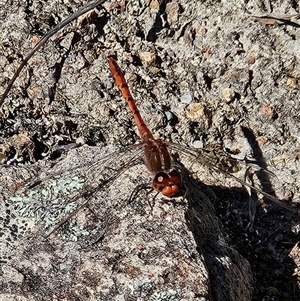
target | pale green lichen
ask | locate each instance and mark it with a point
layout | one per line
(50, 201)
(166, 296)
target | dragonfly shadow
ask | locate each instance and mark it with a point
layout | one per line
(258, 156)
(232, 254)
(234, 283)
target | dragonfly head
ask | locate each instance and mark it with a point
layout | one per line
(168, 183)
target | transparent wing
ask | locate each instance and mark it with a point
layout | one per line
(70, 184)
(219, 161)
(90, 163)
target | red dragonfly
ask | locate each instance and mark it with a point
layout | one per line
(156, 155)
(82, 181)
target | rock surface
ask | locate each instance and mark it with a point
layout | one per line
(199, 71)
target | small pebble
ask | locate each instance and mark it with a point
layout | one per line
(186, 98)
(198, 144)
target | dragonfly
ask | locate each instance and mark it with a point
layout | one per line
(83, 181)
(167, 180)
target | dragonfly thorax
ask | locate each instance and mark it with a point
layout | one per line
(157, 156)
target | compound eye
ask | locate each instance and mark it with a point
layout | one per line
(168, 183)
(170, 190)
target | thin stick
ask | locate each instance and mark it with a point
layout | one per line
(86, 8)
